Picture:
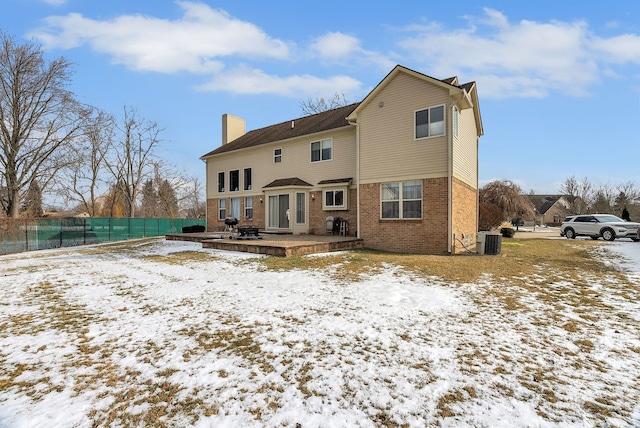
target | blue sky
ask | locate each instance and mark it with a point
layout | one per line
(559, 82)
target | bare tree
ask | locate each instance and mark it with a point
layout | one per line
(39, 119)
(603, 199)
(132, 155)
(318, 105)
(507, 196)
(580, 194)
(194, 201)
(82, 179)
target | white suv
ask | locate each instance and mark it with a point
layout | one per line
(607, 226)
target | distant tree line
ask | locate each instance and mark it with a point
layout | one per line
(96, 163)
(586, 197)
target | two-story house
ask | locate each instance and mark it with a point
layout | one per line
(400, 167)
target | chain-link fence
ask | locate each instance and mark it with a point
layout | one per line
(39, 234)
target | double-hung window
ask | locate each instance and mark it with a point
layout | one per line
(429, 122)
(222, 209)
(401, 200)
(277, 155)
(248, 208)
(220, 182)
(322, 150)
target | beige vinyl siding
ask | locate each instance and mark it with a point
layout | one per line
(465, 149)
(296, 162)
(388, 148)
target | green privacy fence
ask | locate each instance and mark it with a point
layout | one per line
(39, 234)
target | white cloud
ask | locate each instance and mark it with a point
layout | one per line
(245, 80)
(336, 45)
(340, 47)
(619, 49)
(55, 2)
(197, 42)
(525, 59)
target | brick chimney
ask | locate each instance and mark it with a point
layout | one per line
(232, 127)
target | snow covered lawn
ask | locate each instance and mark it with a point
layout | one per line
(164, 333)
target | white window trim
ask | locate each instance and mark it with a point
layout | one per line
(236, 189)
(400, 200)
(246, 207)
(220, 202)
(345, 204)
(330, 140)
(276, 156)
(224, 178)
(444, 119)
(306, 214)
(244, 184)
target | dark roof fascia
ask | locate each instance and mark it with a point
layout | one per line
(336, 181)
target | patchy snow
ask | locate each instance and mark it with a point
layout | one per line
(137, 335)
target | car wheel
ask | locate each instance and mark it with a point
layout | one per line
(569, 233)
(608, 234)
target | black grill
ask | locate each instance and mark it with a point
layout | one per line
(230, 221)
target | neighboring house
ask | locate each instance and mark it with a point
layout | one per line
(401, 167)
(551, 209)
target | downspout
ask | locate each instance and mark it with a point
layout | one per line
(449, 188)
(450, 175)
(206, 194)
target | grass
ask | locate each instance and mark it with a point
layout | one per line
(519, 259)
(542, 290)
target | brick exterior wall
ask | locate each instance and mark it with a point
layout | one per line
(425, 236)
(214, 224)
(318, 216)
(464, 215)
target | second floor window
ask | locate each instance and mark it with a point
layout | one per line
(234, 180)
(247, 179)
(277, 155)
(321, 150)
(220, 182)
(429, 122)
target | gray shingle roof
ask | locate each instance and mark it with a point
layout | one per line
(282, 182)
(307, 125)
(331, 119)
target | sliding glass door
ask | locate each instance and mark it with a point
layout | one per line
(279, 211)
